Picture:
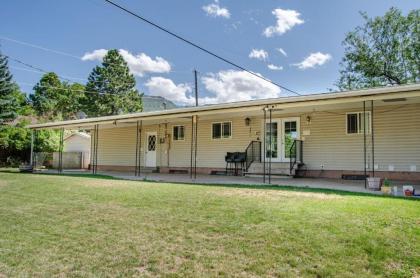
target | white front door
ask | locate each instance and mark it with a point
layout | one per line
(151, 143)
(283, 133)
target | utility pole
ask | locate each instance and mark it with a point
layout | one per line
(196, 87)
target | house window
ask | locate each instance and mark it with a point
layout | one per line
(222, 130)
(179, 133)
(355, 123)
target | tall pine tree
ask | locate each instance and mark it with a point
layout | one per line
(111, 88)
(9, 105)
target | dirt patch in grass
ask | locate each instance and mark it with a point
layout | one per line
(276, 194)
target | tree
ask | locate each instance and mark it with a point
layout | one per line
(53, 99)
(16, 113)
(15, 142)
(71, 103)
(9, 104)
(384, 51)
(111, 88)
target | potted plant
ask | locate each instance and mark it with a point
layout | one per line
(386, 186)
(374, 183)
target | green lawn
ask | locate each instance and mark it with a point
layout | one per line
(84, 226)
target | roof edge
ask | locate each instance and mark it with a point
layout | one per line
(240, 104)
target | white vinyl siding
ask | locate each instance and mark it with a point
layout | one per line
(327, 145)
(396, 134)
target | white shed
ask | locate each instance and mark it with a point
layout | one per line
(79, 142)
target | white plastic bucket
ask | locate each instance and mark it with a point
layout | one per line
(374, 183)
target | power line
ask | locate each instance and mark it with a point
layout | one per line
(39, 72)
(66, 78)
(25, 43)
(198, 46)
(40, 47)
(79, 58)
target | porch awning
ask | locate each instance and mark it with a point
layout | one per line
(384, 93)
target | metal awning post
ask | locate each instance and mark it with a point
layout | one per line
(364, 141)
(31, 160)
(265, 142)
(271, 146)
(96, 151)
(373, 138)
(137, 148)
(195, 146)
(35, 140)
(94, 154)
(140, 131)
(60, 151)
(92, 149)
(191, 147)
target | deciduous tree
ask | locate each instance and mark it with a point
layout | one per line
(54, 99)
(384, 51)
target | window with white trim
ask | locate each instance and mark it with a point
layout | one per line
(178, 133)
(222, 130)
(355, 123)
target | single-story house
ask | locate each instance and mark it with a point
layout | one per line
(372, 132)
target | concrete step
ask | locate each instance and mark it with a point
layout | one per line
(274, 165)
(149, 170)
(259, 167)
(260, 175)
(277, 169)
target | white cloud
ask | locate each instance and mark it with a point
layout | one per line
(224, 86)
(259, 54)
(215, 10)
(231, 85)
(274, 67)
(138, 64)
(286, 20)
(313, 60)
(97, 54)
(281, 50)
(141, 63)
(164, 87)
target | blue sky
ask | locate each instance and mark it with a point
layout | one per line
(232, 29)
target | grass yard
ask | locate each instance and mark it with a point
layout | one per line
(84, 226)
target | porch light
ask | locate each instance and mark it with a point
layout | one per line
(247, 121)
(308, 119)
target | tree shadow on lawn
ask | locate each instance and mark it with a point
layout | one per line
(76, 175)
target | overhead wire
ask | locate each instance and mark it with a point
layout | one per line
(68, 78)
(79, 58)
(197, 46)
